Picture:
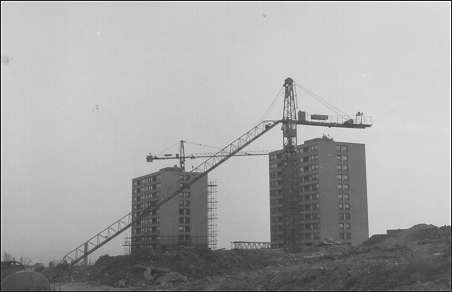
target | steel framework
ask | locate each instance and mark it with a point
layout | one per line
(250, 245)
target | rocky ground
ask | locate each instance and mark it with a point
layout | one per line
(415, 259)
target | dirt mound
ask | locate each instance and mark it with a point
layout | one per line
(406, 237)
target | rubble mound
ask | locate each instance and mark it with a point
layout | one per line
(417, 258)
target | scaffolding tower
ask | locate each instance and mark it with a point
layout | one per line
(212, 214)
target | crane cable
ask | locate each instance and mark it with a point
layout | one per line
(321, 100)
(270, 107)
(167, 148)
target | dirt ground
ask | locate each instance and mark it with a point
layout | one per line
(415, 259)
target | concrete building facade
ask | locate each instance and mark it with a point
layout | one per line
(331, 193)
(181, 221)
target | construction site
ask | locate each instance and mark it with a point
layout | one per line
(351, 191)
(318, 218)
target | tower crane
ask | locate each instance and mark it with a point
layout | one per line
(181, 156)
(289, 128)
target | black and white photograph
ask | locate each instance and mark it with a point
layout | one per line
(225, 146)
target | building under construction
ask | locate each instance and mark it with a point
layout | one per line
(328, 183)
(161, 200)
(188, 220)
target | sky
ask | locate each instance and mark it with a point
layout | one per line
(89, 89)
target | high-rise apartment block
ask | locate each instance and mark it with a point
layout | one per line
(330, 191)
(184, 220)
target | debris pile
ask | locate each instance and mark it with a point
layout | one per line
(418, 258)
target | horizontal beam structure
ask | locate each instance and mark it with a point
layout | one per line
(205, 155)
(250, 245)
(334, 125)
(198, 172)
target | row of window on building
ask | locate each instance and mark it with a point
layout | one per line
(341, 148)
(309, 207)
(344, 216)
(310, 216)
(343, 196)
(152, 187)
(310, 158)
(309, 168)
(342, 206)
(146, 196)
(345, 235)
(145, 180)
(306, 149)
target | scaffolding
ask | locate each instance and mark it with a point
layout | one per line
(212, 214)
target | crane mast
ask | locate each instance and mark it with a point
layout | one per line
(289, 126)
(290, 169)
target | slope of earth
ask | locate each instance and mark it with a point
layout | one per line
(418, 258)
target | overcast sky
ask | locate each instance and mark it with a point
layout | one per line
(88, 89)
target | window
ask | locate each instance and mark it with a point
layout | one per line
(348, 226)
(347, 216)
(338, 147)
(344, 148)
(315, 226)
(339, 187)
(187, 220)
(349, 235)
(338, 157)
(339, 196)
(347, 206)
(181, 220)
(340, 206)
(339, 177)
(187, 228)
(341, 225)
(344, 167)
(307, 236)
(181, 228)
(187, 211)
(187, 202)
(341, 235)
(181, 211)
(307, 217)
(344, 157)
(345, 187)
(347, 196)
